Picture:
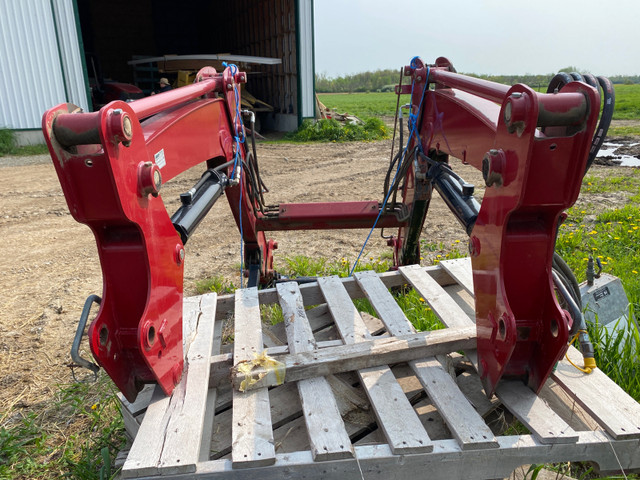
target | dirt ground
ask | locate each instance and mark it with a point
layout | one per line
(50, 264)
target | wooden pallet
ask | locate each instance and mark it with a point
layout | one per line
(354, 405)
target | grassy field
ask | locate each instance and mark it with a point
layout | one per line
(376, 104)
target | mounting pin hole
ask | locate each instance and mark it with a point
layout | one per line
(151, 335)
(554, 327)
(104, 336)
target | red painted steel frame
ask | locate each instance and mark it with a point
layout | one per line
(535, 175)
(111, 165)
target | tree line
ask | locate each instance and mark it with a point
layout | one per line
(385, 80)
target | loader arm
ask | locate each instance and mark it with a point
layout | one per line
(111, 165)
(532, 149)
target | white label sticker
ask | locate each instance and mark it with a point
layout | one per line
(159, 158)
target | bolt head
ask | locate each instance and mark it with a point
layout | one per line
(120, 127)
(127, 127)
(179, 254)
(149, 179)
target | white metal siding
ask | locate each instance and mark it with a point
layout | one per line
(70, 52)
(306, 67)
(31, 72)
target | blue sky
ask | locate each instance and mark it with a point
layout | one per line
(479, 36)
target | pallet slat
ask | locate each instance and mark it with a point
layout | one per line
(252, 436)
(165, 441)
(356, 356)
(396, 416)
(594, 391)
(463, 421)
(541, 420)
(534, 413)
(327, 435)
(373, 453)
(460, 270)
(182, 448)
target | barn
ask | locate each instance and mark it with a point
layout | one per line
(55, 51)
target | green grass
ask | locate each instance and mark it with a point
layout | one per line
(614, 238)
(217, 284)
(627, 102)
(7, 141)
(624, 131)
(623, 183)
(361, 104)
(76, 435)
(9, 146)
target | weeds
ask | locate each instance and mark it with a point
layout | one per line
(330, 130)
(624, 131)
(9, 145)
(217, 284)
(7, 141)
(77, 435)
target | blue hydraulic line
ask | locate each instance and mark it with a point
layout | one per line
(413, 120)
(236, 174)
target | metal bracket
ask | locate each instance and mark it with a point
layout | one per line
(75, 347)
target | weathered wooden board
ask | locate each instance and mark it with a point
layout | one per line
(534, 413)
(312, 295)
(463, 421)
(366, 354)
(396, 417)
(252, 436)
(524, 403)
(327, 435)
(377, 412)
(594, 392)
(460, 270)
(166, 441)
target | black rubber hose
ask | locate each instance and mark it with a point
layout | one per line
(559, 81)
(590, 80)
(608, 105)
(577, 76)
(568, 278)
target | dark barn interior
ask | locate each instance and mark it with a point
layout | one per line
(118, 31)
